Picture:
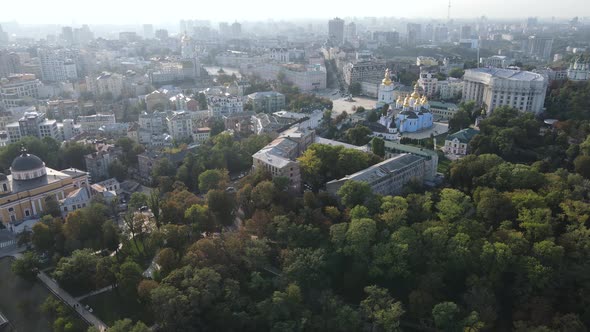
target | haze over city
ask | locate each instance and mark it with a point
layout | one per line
(137, 11)
(303, 166)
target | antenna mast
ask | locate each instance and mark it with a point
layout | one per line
(449, 12)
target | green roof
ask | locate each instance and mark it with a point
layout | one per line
(464, 136)
(443, 105)
(398, 147)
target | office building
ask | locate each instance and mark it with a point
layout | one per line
(493, 87)
(336, 31)
(496, 61)
(58, 65)
(9, 63)
(539, 47)
(414, 34)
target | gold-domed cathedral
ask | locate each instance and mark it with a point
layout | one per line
(409, 114)
(385, 94)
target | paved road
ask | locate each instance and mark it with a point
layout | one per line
(69, 300)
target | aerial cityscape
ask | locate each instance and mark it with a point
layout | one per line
(328, 167)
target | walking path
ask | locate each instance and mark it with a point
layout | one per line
(69, 300)
(96, 292)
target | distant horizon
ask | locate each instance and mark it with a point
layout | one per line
(133, 12)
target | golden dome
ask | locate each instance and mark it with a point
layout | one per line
(406, 102)
(415, 94)
(386, 80)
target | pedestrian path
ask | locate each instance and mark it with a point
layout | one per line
(69, 300)
(7, 243)
(96, 292)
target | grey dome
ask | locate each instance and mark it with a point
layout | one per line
(26, 162)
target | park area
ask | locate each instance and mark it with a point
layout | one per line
(20, 301)
(111, 306)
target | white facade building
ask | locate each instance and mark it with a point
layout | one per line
(104, 83)
(92, 123)
(492, 87)
(19, 89)
(180, 125)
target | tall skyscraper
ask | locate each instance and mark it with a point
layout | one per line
(351, 32)
(336, 30)
(236, 29)
(67, 35)
(539, 47)
(161, 34)
(3, 36)
(148, 31)
(466, 32)
(414, 33)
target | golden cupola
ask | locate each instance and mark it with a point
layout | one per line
(415, 94)
(406, 102)
(387, 79)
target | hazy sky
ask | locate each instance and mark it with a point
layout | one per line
(150, 11)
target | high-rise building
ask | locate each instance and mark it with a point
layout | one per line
(83, 35)
(414, 33)
(493, 87)
(3, 36)
(58, 65)
(351, 32)
(148, 31)
(539, 47)
(466, 32)
(441, 34)
(9, 63)
(236, 29)
(336, 30)
(161, 34)
(67, 36)
(224, 29)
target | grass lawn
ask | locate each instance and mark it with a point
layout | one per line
(20, 301)
(110, 307)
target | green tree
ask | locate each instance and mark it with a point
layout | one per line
(126, 325)
(213, 179)
(353, 193)
(359, 135)
(128, 278)
(77, 272)
(582, 165)
(381, 309)
(137, 200)
(445, 316)
(378, 146)
(27, 266)
(453, 205)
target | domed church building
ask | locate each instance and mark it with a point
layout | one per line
(24, 193)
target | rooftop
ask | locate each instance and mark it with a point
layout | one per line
(382, 169)
(509, 74)
(464, 136)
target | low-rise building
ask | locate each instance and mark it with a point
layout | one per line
(430, 157)
(33, 124)
(180, 125)
(201, 134)
(98, 162)
(19, 90)
(105, 83)
(279, 157)
(267, 102)
(442, 110)
(92, 123)
(387, 177)
(458, 143)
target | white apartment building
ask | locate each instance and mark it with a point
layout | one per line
(224, 104)
(180, 125)
(428, 83)
(33, 124)
(267, 102)
(153, 123)
(92, 123)
(450, 88)
(104, 83)
(493, 87)
(58, 65)
(19, 89)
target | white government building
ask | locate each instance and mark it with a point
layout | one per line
(493, 87)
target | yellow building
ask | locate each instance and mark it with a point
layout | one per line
(25, 192)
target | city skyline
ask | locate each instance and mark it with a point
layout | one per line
(135, 12)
